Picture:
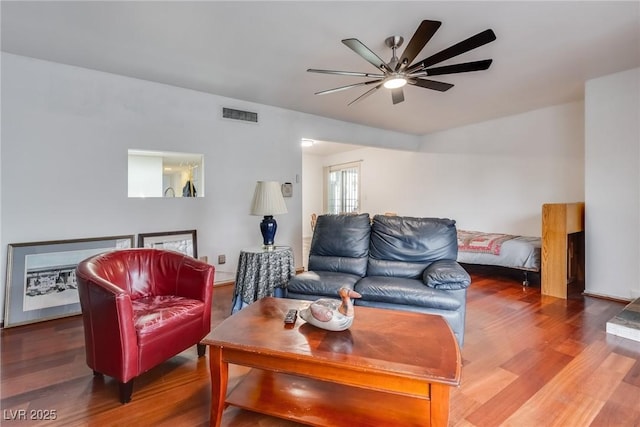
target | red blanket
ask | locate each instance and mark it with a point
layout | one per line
(476, 241)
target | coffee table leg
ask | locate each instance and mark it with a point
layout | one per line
(219, 378)
(439, 405)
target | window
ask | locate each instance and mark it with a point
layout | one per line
(343, 188)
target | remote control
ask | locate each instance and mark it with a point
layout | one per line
(291, 316)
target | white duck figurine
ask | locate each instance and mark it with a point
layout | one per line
(332, 314)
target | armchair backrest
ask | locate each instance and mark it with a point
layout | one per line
(405, 246)
(147, 272)
(340, 243)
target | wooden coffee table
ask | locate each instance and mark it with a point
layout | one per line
(391, 368)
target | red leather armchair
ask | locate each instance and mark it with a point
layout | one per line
(141, 307)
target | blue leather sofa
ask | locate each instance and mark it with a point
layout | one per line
(394, 262)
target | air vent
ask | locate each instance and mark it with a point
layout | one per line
(245, 116)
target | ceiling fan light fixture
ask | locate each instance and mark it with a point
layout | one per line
(395, 82)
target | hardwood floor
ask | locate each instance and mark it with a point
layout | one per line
(528, 361)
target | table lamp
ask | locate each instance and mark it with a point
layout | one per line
(268, 201)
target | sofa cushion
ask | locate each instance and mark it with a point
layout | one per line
(446, 274)
(340, 243)
(402, 291)
(321, 283)
(405, 246)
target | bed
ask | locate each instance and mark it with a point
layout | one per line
(502, 250)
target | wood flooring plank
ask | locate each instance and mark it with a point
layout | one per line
(621, 409)
(577, 393)
(578, 412)
(545, 365)
(633, 376)
(460, 406)
(570, 347)
(489, 384)
(605, 378)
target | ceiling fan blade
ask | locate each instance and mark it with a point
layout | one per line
(364, 95)
(397, 95)
(459, 68)
(359, 48)
(346, 73)
(420, 38)
(338, 89)
(472, 42)
(431, 84)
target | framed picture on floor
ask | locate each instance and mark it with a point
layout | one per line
(41, 277)
(184, 241)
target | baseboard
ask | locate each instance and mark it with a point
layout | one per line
(605, 297)
(227, 283)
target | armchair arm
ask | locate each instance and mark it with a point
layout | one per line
(446, 274)
(110, 334)
(195, 281)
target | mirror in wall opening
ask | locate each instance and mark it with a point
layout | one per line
(165, 174)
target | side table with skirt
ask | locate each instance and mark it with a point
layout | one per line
(261, 272)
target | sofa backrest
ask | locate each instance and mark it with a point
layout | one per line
(340, 243)
(405, 246)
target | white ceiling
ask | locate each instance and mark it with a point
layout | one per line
(259, 51)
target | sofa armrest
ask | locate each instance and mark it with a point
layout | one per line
(446, 274)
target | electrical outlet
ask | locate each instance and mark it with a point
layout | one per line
(222, 259)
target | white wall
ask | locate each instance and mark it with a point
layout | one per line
(312, 193)
(501, 172)
(65, 136)
(612, 180)
(492, 176)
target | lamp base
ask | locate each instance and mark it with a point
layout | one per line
(268, 227)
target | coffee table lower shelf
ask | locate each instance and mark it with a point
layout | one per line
(321, 403)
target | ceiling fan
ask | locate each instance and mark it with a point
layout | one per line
(400, 71)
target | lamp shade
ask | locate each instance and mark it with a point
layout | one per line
(267, 199)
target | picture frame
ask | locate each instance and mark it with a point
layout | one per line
(41, 282)
(183, 241)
